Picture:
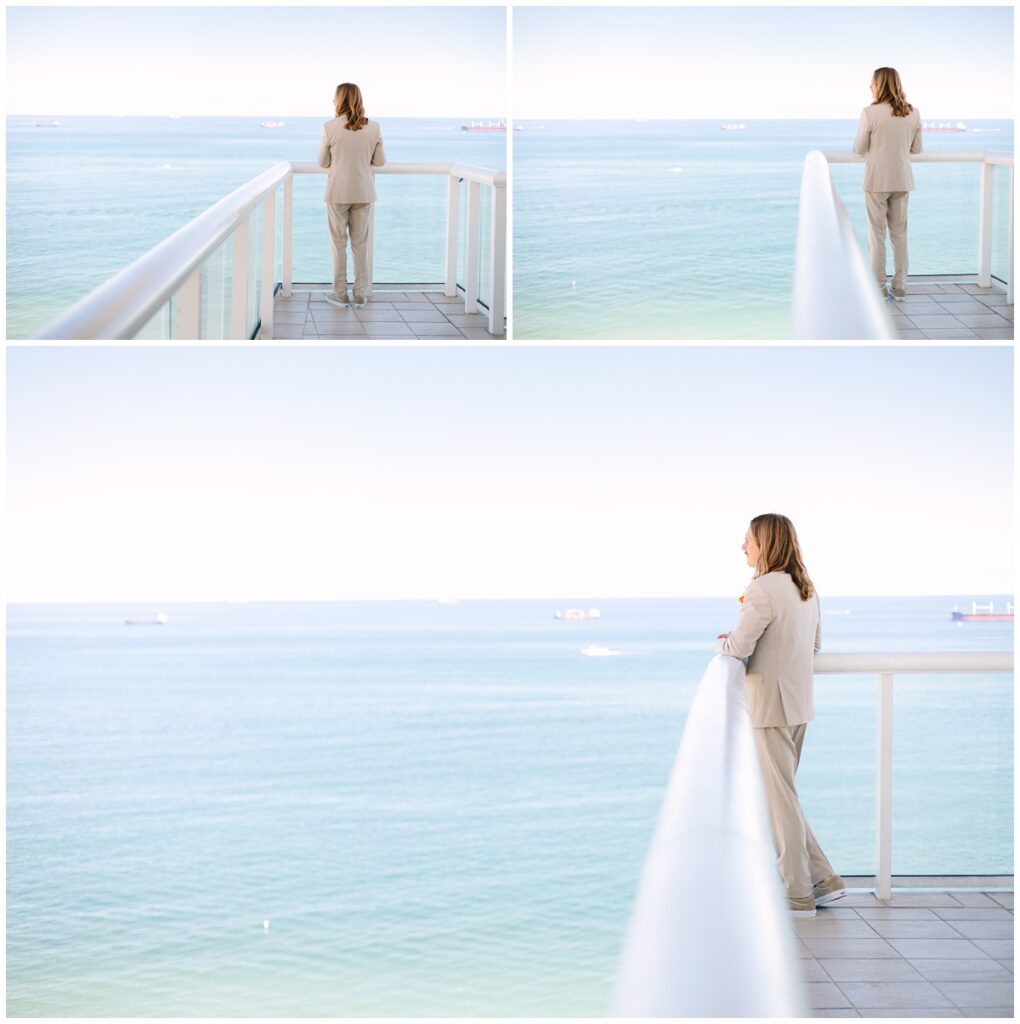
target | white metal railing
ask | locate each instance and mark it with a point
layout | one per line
(710, 934)
(123, 305)
(835, 295)
(886, 666)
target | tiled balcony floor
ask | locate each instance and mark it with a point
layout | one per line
(391, 314)
(952, 312)
(920, 954)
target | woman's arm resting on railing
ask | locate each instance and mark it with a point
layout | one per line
(325, 158)
(755, 614)
(916, 145)
(379, 154)
(863, 141)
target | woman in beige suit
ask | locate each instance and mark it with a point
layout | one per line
(351, 146)
(778, 632)
(889, 131)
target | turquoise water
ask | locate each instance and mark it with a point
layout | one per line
(679, 230)
(86, 199)
(440, 809)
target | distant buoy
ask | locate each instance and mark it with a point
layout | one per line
(573, 285)
(265, 924)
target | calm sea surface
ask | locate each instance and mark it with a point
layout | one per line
(440, 809)
(680, 230)
(87, 198)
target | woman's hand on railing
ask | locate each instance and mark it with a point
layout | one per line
(722, 636)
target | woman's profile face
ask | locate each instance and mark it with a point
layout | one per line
(750, 548)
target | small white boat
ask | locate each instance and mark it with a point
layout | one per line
(576, 614)
(598, 651)
(733, 127)
(47, 124)
(160, 620)
(272, 124)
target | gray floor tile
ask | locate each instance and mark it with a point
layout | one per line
(985, 1011)
(285, 333)
(962, 970)
(913, 1011)
(890, 994)
(826, 995)
(802, 951)
(865, 949)
(936, 949)
(812, 970)
(965, 307)
(860, 899)
(423, 315)
(995, 299)
(838, 910)
(984, 913)
(832, 928)
(942, 321)
(912, 335)
(924, 288)
(899, 913)
(977, 993)
(923, 899)
(935, 929)
(957, 334)
(468, 320)
(871, 970)
(950, 289)
(835, 1011)
(443, 330)
(1004, 899)
(902, 320)
(986, 319)
(370, 315)
(479, 335)
(994, 333)
(984, 929)
(998, 949)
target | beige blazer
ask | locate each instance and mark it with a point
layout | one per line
(887, 142)
(350, 157)
(778, 633)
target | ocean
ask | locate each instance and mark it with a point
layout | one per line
(87, 198)
(440, 809)
(678, 230)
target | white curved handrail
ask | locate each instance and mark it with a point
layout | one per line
(124, 304)
(834, 292)
(843, 156)
(914, 663)
(468, 172)
(710, 934)
(121, 307)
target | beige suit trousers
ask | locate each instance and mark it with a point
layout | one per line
(801, 861)
(349, 219)
(888, 208)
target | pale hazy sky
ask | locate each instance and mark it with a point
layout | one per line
(758, 62)
(409, 61)
(166, 474)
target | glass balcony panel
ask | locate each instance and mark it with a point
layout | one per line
(484, 243)
(160, 327)
(251, 317)
(944, 214)
(1001, 178)
(959, 815)
(215, 304)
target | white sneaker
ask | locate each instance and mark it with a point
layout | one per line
(829, 890)
(337, 300)
(359, 299)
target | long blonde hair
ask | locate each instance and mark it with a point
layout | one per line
(347, 102)
(778, 550)
(890, 90)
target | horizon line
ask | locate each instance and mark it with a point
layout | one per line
(466, 600)
(508, 117)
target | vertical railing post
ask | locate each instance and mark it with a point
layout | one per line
(188, 308)
(497, 259)
(1009, 256)
(288, 233)
(239, 282)
(268, 294)
(452, 233)
(474, 238)
(883, 854)
(370, 250)
(985, 227)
